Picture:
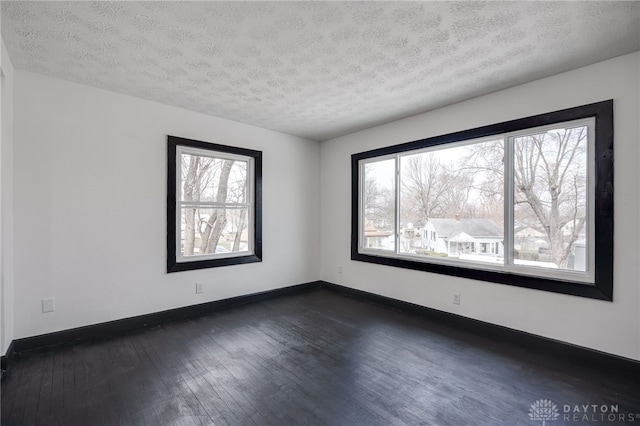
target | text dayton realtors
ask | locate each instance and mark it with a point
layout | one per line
(595, 413)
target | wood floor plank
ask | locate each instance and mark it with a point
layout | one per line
(14, 396)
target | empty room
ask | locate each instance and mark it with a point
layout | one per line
(320, 213)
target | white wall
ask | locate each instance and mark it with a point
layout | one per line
(90, 206)
(612, 327)
(6, 203)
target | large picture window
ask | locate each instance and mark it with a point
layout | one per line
(213, 205)
(527, 202)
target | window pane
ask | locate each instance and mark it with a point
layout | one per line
(451, 203)
(550, 199)
(207, 231)
(213, 179)
(379, 205)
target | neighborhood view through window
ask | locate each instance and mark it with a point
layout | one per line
(526, 202)
(214, 205)
(452, 201)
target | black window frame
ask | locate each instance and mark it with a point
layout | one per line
(173, 142)
(602, 288)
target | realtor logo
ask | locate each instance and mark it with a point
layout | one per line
(543, 410)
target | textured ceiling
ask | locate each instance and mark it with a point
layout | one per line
(314, 69)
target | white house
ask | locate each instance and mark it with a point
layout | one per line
(377, 238)
(463, 236)
(529, 238)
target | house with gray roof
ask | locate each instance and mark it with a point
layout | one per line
(458, 236)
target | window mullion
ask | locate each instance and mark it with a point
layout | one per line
(213, 205)
(361, 201)
(397, 204)
(508, 201)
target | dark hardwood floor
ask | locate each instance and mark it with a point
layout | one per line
(314, 358)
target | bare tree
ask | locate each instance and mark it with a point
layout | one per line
(240, 226)
(189, 194)
(550, 182)
(379, 203)
(238, 194)
(434, 188)
(213, 227)
(198, 174)
(486, 162)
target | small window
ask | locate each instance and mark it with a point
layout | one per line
(527, 202)
(213, 206)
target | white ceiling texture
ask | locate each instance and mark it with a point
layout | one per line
(313, 69)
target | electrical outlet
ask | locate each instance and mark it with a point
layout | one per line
(199, 288)
(48, 305)
(456, 298)
(339, 269)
